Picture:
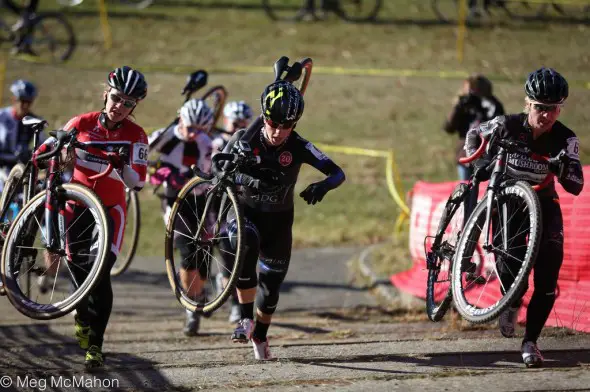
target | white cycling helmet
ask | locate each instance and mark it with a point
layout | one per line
(237, 110)
(196, 113)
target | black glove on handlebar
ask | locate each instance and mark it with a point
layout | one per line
(251, 182)
(558, 163)
(314, 193)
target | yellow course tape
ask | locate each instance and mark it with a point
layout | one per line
(377, 72)
(391, 174)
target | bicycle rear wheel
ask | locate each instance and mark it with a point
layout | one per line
(287, 10)
(215, 98)
(359, 10)
(131, 236)
(515, 237)
(52, 37)
(439, 259)
(11, 202)
(204, 229)
(26, 254)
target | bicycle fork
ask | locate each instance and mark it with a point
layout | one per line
(54, 213)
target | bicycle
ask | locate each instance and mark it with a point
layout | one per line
(40, 239)
(221, 199)
(297, 10)
(46, 36)
(506, 204)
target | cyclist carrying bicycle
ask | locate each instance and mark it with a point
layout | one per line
(181, 146)
(110, 129)
(267, 200)
(474, 104)
(14, 138)
(236, 115)
(538, 127)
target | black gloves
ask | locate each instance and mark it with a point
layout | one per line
(559, 163)
(314, 193)
(251, 182)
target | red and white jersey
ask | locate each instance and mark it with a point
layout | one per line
(130, 136)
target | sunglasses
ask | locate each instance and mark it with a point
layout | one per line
(285, 125)
(545, 108)
(128, 103)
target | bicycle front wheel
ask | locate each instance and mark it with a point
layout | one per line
(198, 220)
(81, 224)
(513, 243)
(52, 37)
(131, 236)
(439, 259)
(287, 10)
(359, 10)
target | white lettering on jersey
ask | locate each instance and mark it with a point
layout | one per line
(489, 106)
(573, 148)
(316, 153)
(140, 154)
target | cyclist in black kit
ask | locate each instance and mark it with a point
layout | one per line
(546, 91)
(474, 105)
(267, 200)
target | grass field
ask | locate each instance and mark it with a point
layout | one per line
(400, 113)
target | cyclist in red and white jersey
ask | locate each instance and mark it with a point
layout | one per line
(108, 130)
(180, 146)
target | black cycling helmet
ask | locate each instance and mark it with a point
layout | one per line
(547, 86)
(282, 103)
(128, 81)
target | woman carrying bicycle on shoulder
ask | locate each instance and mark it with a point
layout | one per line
(546, 91)
(267, 201)
(110, 129)
(181, 146)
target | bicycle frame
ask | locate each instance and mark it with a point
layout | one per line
(497, 175)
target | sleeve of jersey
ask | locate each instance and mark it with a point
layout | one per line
(133, 174)
(156, 139)
(573, 179)
(314, 157)
(205, 151)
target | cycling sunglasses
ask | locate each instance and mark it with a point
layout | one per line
(128, 103)
(545, 108)
(285, 125)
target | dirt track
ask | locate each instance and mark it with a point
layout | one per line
(326, 335)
